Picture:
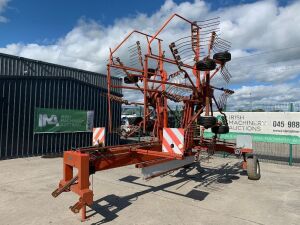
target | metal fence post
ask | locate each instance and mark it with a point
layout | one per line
(140, 128)
(291, 109)
(291, 155)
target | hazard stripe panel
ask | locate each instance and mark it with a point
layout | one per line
(173, 140)
(98, 135)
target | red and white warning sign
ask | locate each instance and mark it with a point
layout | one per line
(98, 135)
(173, 140)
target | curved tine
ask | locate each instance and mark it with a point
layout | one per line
(182, 38)
(223, 39)
(133, 49)
(226, 71)
(190, 44)
(189, 59)
(212, 25)
(133, 53)
(214, 18)
(204, 38)
(185, 54)
(184, 42)
(204, 32)
(221, 48)
(184, 50)
(133, 58)
(218, 40)
(208, 22)
(222, 45)
(217, 49)
(133, 45)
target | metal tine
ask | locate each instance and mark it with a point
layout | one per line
(188, 60)
(132, 49)
(188, 45)
(223, 39)
(226, 70)
(133, 54)
(205, 26)
(214, 18)
(184, 42)
(133, 58)
(221, 48)
(220, 100)
(224, 77)
(183, 38)
(133, 45)
(185, 50)
(204, 38)
(212, 22)
(223, 42)
(209, 26)
(209, 31)
(187, 53)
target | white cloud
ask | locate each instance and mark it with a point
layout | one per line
(3, 5)
(260, 26)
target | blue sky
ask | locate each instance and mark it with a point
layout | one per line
(44, 21)
(79, 33)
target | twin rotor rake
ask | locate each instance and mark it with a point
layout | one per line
(159, 76)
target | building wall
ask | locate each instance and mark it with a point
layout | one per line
(26, 84)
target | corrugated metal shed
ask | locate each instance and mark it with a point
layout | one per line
(26, 84)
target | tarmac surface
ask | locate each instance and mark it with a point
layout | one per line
(217, 192)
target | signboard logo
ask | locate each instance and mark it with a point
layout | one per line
(47, 120)
(44, 120)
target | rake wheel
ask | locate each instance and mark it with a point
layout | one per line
(206, 64)
(222, 56)
(207, 121)
(223, 129)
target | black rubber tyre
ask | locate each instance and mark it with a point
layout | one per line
(223, 129)
(222, 56)
(253, 168)
(206, 65)
(151, 72)
(131, 80)
(207, 121)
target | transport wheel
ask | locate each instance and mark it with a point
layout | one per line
(222, 56)
(207, 121)
(206, 65)
(131, 79)
(223, 129)
(253, 168)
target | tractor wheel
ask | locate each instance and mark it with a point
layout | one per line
(131, 79)
(206, 65)
(253, 168)
(207, 121)
(222, 56)
(223, 129)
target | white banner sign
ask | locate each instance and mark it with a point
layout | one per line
(275, 123)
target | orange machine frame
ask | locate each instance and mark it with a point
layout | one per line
(88, 160)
